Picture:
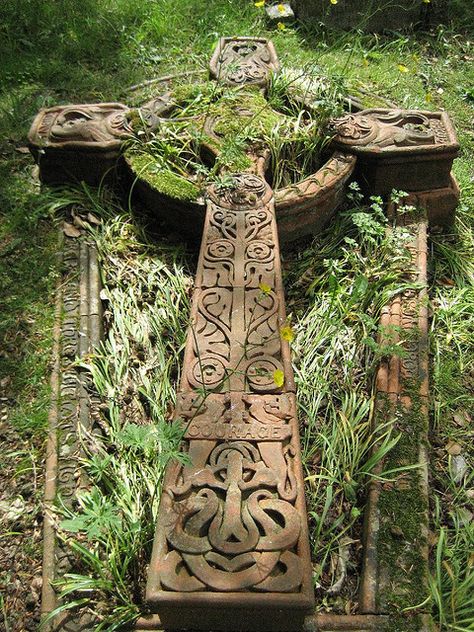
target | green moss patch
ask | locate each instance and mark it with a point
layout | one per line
(214, 129)
(163, 180)
(403, 522)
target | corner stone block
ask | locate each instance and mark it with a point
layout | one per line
(78, 142)
(407, 150)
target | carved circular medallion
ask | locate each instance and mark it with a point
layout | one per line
(259, 251)
(221, 249)
(261, 374)
(354, 129)
(207, 371)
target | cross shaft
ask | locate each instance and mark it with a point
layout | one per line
(231, 527)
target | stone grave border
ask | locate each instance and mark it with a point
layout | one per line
(78, 329)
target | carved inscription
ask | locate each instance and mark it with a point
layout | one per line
(236, 416)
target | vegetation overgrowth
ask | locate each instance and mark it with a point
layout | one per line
(65, 52)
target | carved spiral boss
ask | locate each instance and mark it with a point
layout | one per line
(232, 527)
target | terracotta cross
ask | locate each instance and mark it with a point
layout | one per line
(231, 547)
(232, 529)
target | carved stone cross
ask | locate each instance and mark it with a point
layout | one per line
(232, 529)
(231, 548)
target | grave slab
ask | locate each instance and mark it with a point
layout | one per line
(231, 549)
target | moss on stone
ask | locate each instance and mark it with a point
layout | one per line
(402, 532)
(245, 113)
(163, 180)
(188, 92)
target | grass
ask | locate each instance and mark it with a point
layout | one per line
(171, 158)
(336, 287)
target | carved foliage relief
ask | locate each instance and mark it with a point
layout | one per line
(244, 60)
(98, 126)
(391, 130)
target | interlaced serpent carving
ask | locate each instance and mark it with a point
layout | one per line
(231, 517)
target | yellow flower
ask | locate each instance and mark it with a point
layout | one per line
(287, 333)
(333, 1)
(278, 377)
(281, 8)
(402, 68)
(260, 3)
(266, 289)
(281, 26)
(426, 1)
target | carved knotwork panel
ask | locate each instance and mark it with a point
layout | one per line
(231, 516)
(244, 60)
(238, 307)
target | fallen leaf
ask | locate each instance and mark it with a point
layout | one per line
(447, 282)
(459, 467)
(92, 219)
(465, 516)
(453, 448)
(10, 511)
(396, 531)
(71, 231)
(460, 419)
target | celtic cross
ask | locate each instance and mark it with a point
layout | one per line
(231, 548)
